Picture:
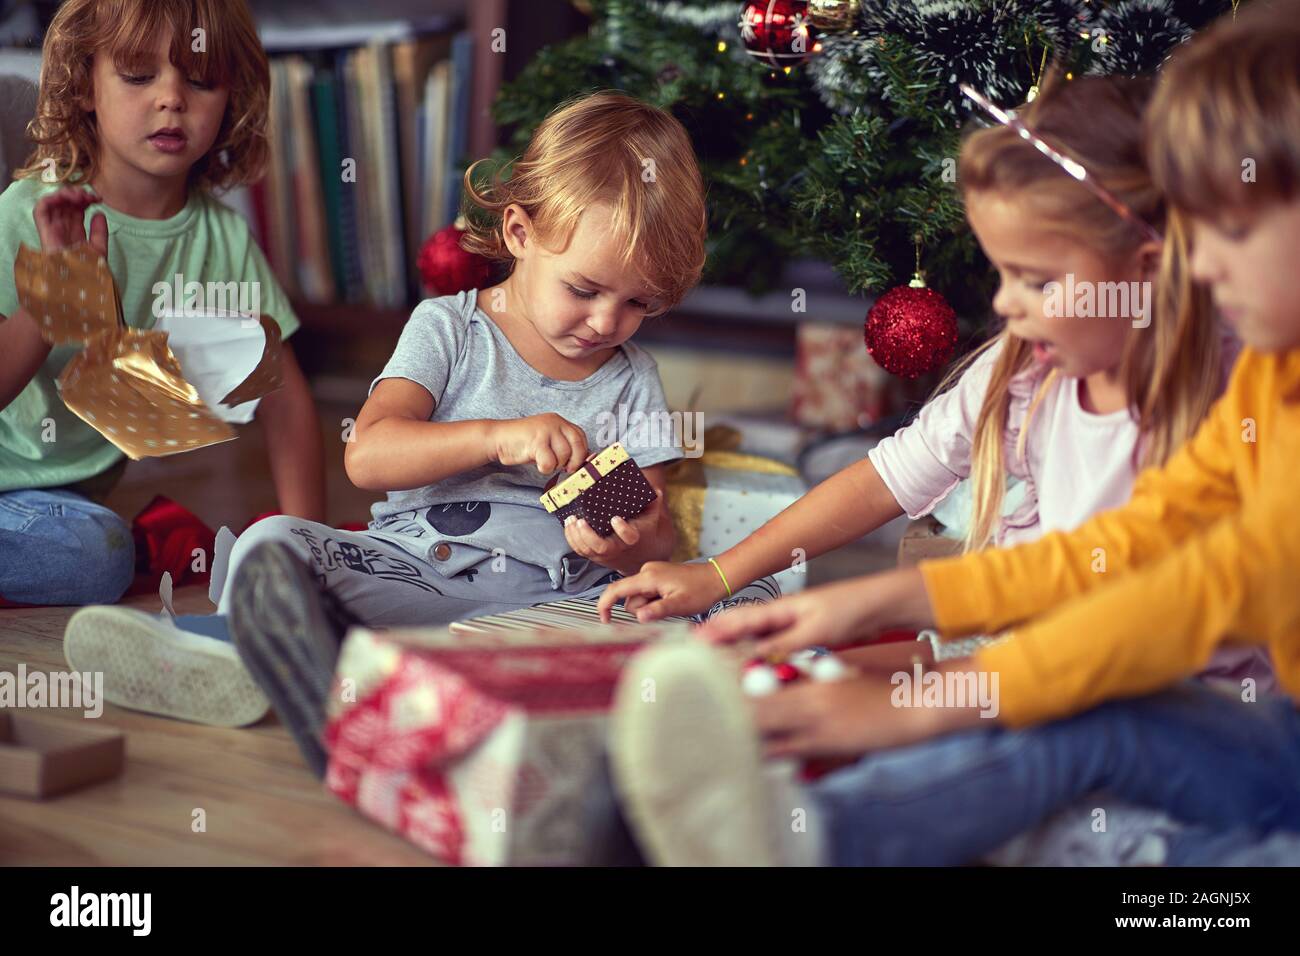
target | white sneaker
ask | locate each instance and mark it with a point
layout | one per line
(149, 664)
(686, 760)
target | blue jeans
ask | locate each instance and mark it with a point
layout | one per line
(59, 547)
(1204, 758)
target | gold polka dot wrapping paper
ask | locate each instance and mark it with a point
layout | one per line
(126, 383)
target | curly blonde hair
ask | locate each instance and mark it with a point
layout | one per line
(128, 30)
(604, 148)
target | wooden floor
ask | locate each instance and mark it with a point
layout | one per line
(262, 805)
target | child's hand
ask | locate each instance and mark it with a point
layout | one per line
(662, 588)
(612, 552)
(847, 718)
(548, 440)
(61, 220)
(827, 616)
(831, 615)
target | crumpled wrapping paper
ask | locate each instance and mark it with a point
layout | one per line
(126, 383)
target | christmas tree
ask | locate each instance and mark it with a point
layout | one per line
(844, 150)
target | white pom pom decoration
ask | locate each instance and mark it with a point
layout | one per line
(759, 681)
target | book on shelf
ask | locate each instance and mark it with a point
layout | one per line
(462, 78)
(324, 103)
(436, 97)
(279, 224)
(354, 275)
(384, 173)
(315, 274)
(367, 152)
(413, 61)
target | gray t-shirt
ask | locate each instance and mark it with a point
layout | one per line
(462, 357)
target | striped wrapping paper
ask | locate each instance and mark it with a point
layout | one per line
(570, 614)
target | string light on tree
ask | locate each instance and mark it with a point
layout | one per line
(1036, 77)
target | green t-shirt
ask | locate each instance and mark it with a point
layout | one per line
(205, 242)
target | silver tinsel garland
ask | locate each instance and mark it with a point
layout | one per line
(716, 18)
(964, 41)
(1140, 36)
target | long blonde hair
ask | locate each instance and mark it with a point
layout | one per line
(1098, 121)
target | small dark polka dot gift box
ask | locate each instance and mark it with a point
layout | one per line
(609, 483)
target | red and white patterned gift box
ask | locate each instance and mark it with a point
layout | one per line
(478, 748)
(838, 387)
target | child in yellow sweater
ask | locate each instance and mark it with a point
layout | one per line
(1111, 616)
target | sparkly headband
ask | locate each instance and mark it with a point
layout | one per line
(1071, 166)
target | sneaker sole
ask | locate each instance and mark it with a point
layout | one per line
(147, 668)
(286, 641)
(688, 765)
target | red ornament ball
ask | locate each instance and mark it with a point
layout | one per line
(911, 331)
(787, 673)
(778, 32)
(446, 268)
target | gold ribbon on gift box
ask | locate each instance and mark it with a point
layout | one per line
(592, 470)
(687, 484)
(126, 383)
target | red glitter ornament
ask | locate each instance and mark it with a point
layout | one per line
(911, 331)
(777, 32)
(446, 268)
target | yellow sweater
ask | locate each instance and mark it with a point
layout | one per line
(1206, 551)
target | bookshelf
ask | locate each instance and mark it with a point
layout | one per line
(403, 89)
(294, 26)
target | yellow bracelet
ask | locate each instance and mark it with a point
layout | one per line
(717, 568)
